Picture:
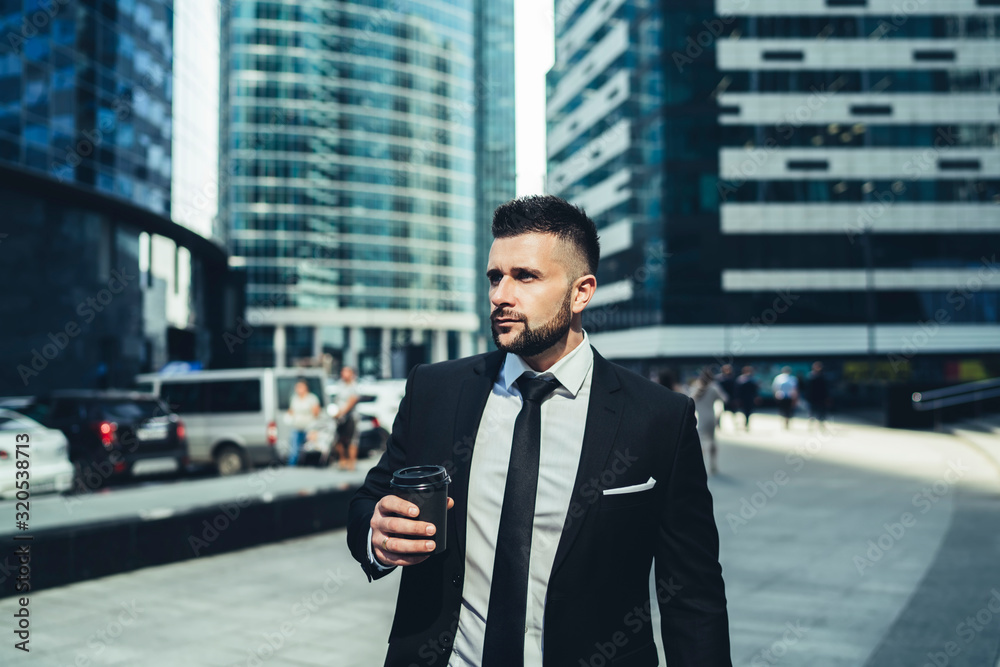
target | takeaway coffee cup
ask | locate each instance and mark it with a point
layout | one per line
(427, 488)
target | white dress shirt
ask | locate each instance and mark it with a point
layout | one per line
(564, 417)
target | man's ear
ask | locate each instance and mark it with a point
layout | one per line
(583, 291)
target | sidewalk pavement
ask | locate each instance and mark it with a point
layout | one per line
(863, 547)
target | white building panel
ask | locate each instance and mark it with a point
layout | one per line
(936, 337)
(647, 342)
(769, 280)
(598, 152)
(856, 54)
(564, 9)
(596, 61)
(852, 219)
(604, 196)
(598, 105)
(986, 277)
(728, 343)
(894, 10)
(617, 237)
(612, 293)
(586, 25)
(792, 110)
(941, 162)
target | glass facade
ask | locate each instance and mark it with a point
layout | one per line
(108, 283)
(85, 94)
(495, 155)
(349, 149)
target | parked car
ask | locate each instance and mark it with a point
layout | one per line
(234, 417)
(113, 433)
(47, 452)
(378, 402)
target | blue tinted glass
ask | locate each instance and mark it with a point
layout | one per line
(38, 134)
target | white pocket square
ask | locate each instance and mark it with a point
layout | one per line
(635, 488)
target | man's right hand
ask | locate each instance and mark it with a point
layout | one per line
(396, 532)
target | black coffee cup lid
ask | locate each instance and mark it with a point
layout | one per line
(415, 476)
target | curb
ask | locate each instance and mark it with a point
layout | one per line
(69, 554)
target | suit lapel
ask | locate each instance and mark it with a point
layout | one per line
(473, 394)
(603, 417)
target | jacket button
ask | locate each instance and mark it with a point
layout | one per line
(457, 581)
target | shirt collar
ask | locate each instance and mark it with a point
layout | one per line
(570, 371)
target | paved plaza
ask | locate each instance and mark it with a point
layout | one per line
(862, 547)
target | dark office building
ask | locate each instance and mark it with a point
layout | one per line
(781, 185)
(100, 283)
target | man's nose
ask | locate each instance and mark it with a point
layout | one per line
(502, 294)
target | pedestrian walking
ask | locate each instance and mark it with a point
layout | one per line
(818, 395)
(346, 439)
(668, 379)
(747, 397)
(727, 381)
(303, 409)
(540, 564)
(786, 392)
(705, 391)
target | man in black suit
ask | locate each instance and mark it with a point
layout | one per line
(570, 477)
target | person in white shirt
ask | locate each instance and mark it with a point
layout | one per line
(786, 393)
(706, 391)
(303, 409)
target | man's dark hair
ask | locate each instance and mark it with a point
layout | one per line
(545, 214)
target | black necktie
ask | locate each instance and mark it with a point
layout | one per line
(503, 645)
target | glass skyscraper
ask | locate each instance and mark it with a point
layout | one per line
(495, 155)
(789, 180)
(104, 283)
(85, 94)
(349, 147)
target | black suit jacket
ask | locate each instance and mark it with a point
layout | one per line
(598, 602)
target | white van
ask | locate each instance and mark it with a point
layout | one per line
(234, 418)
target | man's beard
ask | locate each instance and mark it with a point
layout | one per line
(532, 342)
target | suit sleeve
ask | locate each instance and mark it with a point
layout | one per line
(376, 484)
(690, 590)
